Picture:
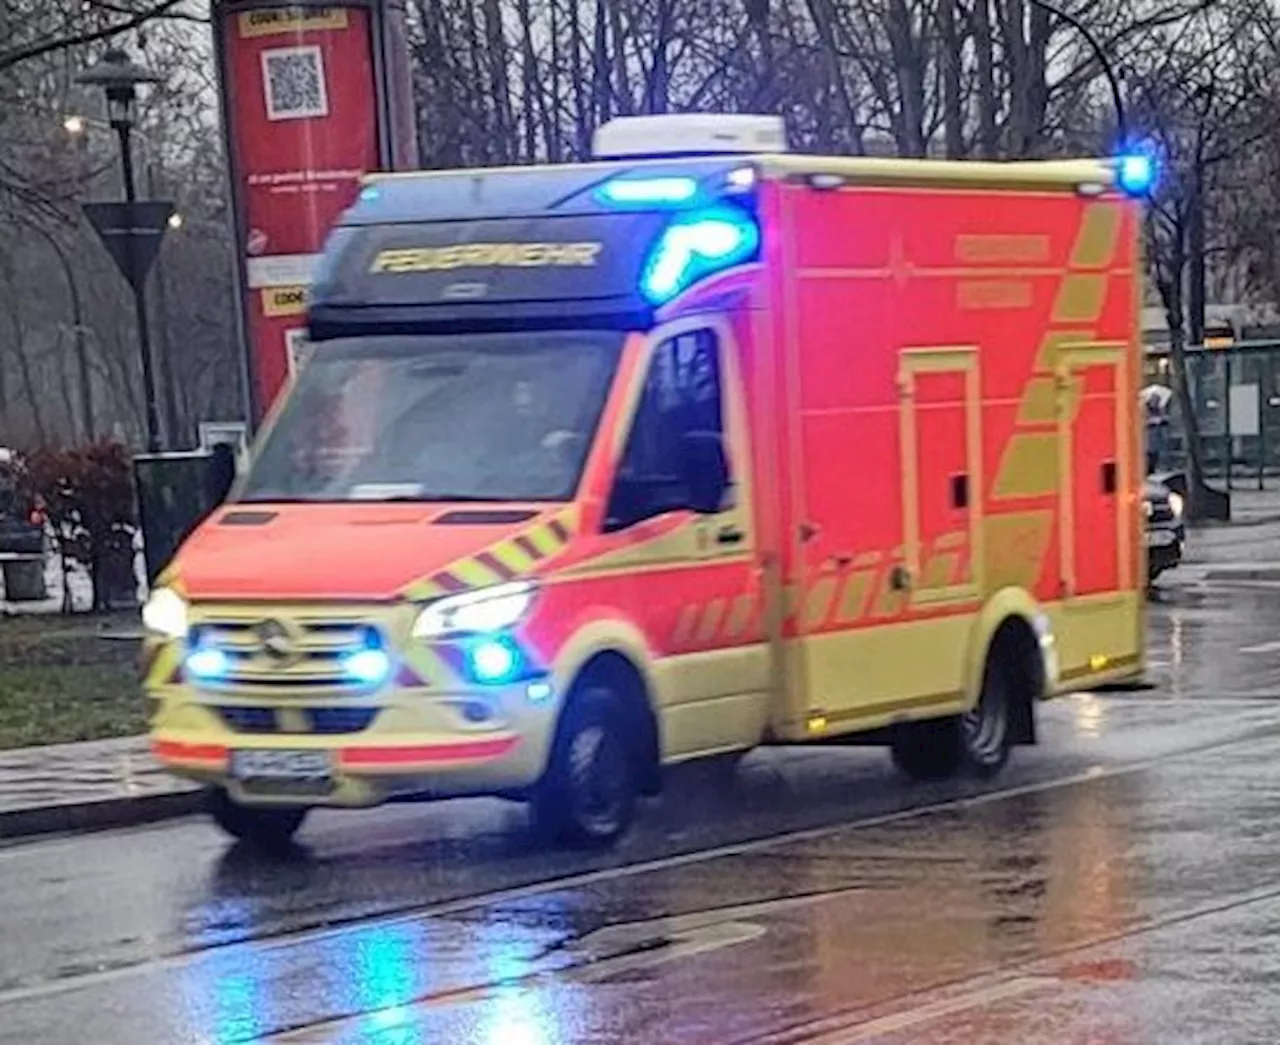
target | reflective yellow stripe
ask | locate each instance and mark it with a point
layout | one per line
(474, 574)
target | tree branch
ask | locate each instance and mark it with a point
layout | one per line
(16, 55)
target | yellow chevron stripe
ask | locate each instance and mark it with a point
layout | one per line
(421, 591)
(429, 665)
(739, 616)
(1080, 298)
(711, 620)
(512, 556)
(1052, 343)
(543, 539)
(687, 621)
(856, 597)
(1098, 236)
(474, 574)
(817, 603)
(1029, 467)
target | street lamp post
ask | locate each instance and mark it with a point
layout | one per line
(78, 127)
(119, 79)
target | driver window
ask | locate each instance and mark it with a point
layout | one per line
(681, 395)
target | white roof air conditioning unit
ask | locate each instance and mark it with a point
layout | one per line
(688, 134)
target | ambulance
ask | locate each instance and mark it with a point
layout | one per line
(699, 446)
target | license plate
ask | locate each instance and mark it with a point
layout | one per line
(1160, 538)
(281, 765)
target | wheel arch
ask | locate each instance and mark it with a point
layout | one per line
(1012, 625)
(615, 655)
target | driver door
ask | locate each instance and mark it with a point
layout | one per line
(691, 576)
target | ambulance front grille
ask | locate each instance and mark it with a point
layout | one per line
(285, 655)
(327, 721)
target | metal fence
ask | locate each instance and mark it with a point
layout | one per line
(1235, 390)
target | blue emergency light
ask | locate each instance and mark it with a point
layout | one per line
(494, 660)
(1136, 173)
(367, 666)
(666, 190)
(370, 664)
(207, 664)
(695, 245)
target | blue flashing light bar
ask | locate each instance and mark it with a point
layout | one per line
(696, 245)
(661, 191)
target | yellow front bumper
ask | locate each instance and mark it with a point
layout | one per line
(414, 746)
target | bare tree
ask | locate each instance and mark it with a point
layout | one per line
(1204, 94)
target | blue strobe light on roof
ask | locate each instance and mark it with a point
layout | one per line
(696, 245)
(1136, 173)
(660, 191)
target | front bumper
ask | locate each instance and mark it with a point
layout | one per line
(414, 745)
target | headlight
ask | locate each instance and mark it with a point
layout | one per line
(1176, 504)
(475, 612)
(1147, 508)
(165, 613)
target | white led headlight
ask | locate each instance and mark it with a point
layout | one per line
(481, 612)
(1176, 504)
(165, 613)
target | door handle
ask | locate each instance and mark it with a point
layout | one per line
(729, 535)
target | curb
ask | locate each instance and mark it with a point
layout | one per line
(83, 817)
(1270, 574)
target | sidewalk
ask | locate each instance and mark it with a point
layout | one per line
(1245, 549)
(104, 783)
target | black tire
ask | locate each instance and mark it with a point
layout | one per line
(927, 750)
(263, 827)
(588, 797)
(986, 733)
(977, 744)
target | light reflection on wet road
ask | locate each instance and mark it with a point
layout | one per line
(1118, 885)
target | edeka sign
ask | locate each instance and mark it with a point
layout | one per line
(302, 114)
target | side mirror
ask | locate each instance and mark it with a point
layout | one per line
(706, 471)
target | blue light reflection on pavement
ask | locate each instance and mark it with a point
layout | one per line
(381, 983)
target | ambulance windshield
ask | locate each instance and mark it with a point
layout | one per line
(491, 417)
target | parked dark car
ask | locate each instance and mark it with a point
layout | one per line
(1166, 530)
(21, 521)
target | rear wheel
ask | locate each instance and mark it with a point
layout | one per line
(264, 827)
(977, 743)
(588, 796)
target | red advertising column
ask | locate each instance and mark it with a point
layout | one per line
(315, 96)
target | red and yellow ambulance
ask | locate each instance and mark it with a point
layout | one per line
(601, 467)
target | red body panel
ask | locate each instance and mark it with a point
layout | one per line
(313, 552)
(858, 277)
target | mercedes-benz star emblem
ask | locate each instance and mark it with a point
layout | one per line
(276, 640)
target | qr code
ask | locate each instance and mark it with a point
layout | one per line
(293, 78)
(297, 348)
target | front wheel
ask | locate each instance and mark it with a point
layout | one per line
(588, 797)
(264, 827)
(978, 743)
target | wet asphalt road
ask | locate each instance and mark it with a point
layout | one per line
(1119, 884)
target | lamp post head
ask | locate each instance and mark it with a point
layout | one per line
(119, 78)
